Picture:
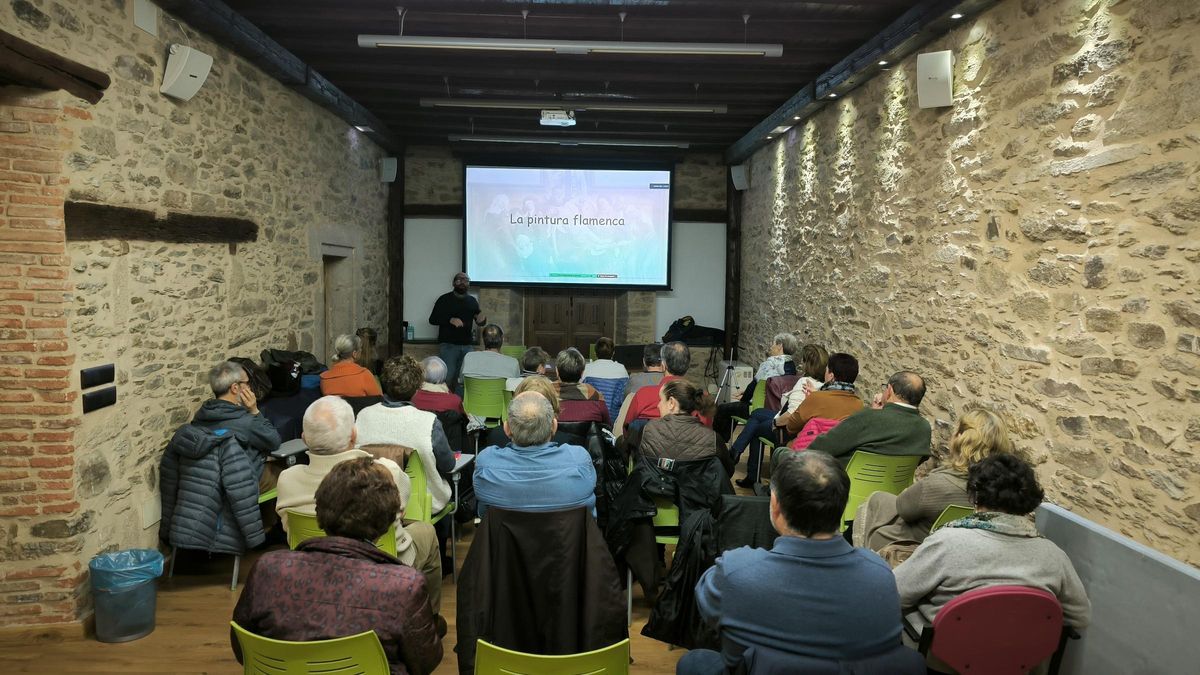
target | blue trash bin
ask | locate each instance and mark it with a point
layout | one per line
(124, 590)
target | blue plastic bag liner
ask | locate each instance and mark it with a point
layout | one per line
(125, 569)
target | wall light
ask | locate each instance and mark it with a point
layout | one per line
(883, 63)
(567, 141)
(518, 104)
(956, 15)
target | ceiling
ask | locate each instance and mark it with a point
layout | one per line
(390, 82)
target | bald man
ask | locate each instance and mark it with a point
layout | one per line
(532, 473)
(891, 426)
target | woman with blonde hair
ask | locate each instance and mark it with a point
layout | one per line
(886, 518)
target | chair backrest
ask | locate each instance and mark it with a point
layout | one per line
(357, 403)
(486, 397)
(515, 351)
(611, 388)
(592, 352)
(776, 387)
(493, 660)
(420, 501)
(950, 513)
(871, 473)
(759, 398)
(360, 653)
(303, 526)
(999, 629)
(666, 515)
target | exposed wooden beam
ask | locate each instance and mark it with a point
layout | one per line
(914, 29)
(243, 37)
(28, 65)
(86, 221)
(395, 257)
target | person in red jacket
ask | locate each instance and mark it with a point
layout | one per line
(342, 584)
(434, 395)
(346, 378)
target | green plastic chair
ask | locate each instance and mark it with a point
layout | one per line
(758, 399)
(666, 515)
(871, 473)
(303, 526)
(592, 352)
(356, 654)
(486, 398)
(420, 502)
(515, 351)
(950, 513)
(493, 660)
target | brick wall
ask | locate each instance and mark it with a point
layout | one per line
(38, 508)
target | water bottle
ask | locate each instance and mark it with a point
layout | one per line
(409, 332)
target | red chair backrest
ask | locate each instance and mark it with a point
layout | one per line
(1000, 629)
(778, 386)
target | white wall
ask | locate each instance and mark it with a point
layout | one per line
(432, 256)
(697, 277)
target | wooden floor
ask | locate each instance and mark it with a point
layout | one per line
(192, 632)
(192, 629)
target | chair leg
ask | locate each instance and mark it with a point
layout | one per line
(237, 563)
(629, 597)
(174, 554)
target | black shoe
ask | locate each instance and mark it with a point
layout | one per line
(745, 483)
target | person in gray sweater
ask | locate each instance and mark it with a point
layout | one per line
(997, 546)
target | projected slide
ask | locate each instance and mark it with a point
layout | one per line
(567, 226)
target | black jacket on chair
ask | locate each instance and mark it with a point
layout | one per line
(609, 464)
(540, 582)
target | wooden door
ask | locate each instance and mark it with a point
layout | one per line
(555, 320)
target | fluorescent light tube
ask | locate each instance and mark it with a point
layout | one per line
(572, 46)
(516, 104)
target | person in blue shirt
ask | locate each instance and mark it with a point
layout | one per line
(812, 595)
(532, 473)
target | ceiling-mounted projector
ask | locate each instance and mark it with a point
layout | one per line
(558, 118)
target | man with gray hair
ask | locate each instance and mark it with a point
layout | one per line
(330, 435)
(676, 358)
(490, 364)
(532, 473)
(234, 407)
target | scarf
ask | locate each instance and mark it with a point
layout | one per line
(834, 385)
(1001, 523)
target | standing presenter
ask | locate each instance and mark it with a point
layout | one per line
(452, 314)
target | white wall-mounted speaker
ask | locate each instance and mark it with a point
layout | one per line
(740, 175)
(935, 79)
(388, 166)
(187, 69)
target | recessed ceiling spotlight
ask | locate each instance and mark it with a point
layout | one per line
(956, 15)
(797, 118)
(833, 96)
(363, 129)
(883, 63)
(769, 137)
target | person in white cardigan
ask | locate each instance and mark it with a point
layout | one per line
(330, 435)
(395, 427)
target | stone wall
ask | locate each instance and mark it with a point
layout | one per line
(1033, 249)
(245, 146)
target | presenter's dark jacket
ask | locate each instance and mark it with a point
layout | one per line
(539, 582)
(333, 587)
(451, 305)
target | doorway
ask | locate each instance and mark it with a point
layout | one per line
(555, 320)
(338, 300)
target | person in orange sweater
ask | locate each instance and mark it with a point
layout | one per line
(346, 377)
(835, 400)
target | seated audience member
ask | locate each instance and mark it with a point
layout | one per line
(886, 518)
(652, 370)
(541, 385)
(395, 427)
(330, 435)
(342, 584)
(533, 473)
(997, 546)
(812, 594)
(604, 367)
(434, 396)
(235, 407)
(533, 362)
(892, 426)
(677, 358)
(678, 433)
(814, 361)
(579, 402)
(778, 362)
(490, 364)
(836, 399)
(345, 377)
